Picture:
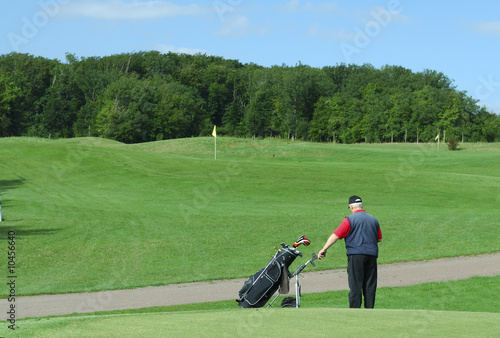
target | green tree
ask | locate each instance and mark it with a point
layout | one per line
(344, 124)
(400, 116)
(425, 112)
(486, 126)
(144, 96)
(127, 109)
(33, 76)
(318, 128)
(92, 76)
(374, 121)
(299, 89)
(240, 84)
(338, 76)
(258, 112)
(435, 79)
(62, 101)
(8, 96)
(218, 79)
(179, 112)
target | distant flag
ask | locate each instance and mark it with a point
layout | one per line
(437, 137)
(214, 134)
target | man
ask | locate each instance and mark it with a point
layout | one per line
(362, 234)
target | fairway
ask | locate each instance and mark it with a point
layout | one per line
(92, 214)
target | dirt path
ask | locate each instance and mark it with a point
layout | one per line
(399, 274)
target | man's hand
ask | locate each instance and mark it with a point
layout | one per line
(331, 241)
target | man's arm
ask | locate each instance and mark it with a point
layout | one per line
(331, 240)
(339, 233)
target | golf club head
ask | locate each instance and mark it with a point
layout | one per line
(301, 240)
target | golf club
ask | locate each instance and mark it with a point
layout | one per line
(301, 240)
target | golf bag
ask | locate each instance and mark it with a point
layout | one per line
(259, 288)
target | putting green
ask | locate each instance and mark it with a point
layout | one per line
(321, 322)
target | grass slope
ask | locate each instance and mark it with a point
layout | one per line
(92, 214)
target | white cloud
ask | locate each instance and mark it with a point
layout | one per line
(239, 25)
(332, 34)
(385, 15)
(325, 7)
(181, 50)
(123, 10)
(292, 6)
(491, 28)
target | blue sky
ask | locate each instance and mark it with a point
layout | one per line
(460, 39)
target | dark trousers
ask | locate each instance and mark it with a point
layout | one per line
(362, 277)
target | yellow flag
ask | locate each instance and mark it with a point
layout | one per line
(214, 133)
(437, 137)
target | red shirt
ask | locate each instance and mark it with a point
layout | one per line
(345, 227)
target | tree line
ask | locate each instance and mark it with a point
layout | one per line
(150, 96)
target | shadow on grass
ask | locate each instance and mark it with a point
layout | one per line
(10, 184)
(20, 232)
(9, 226)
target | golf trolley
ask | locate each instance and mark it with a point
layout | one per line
(290, 301)
(259, 288)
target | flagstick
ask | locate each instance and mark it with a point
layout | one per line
(214, 134)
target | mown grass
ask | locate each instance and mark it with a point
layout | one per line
(92, 214)
(464, 302)
(318, 322)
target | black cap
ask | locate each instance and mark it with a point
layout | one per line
(354, 199)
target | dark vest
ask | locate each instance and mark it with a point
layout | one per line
(362, 239)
